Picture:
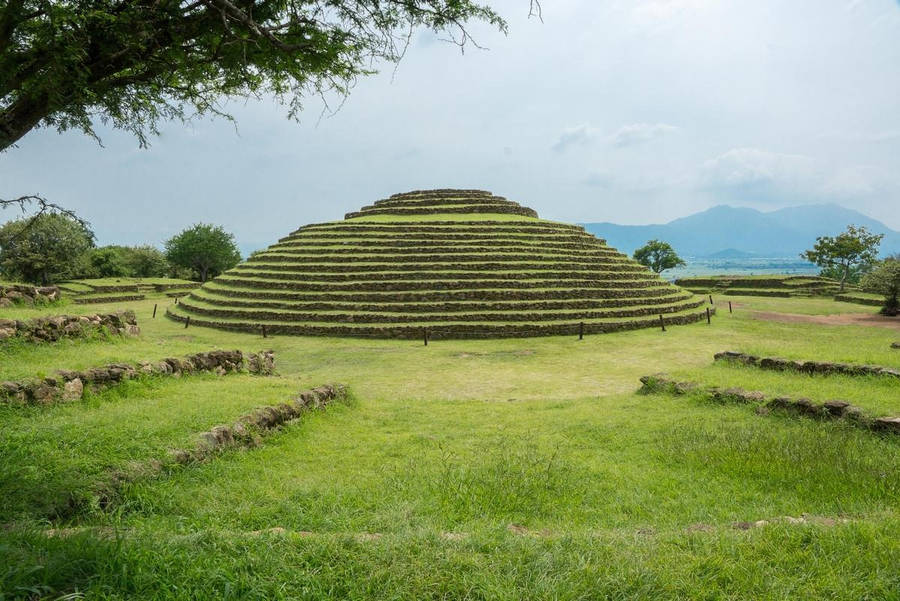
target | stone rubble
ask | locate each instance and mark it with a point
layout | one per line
(27, 295)
(834, 409)
(56, 327)
(68, 385)
(807, 367)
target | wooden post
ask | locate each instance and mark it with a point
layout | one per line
(154, 310)
(425, 335)
(729, 307)
(662, 322)
(188, 322)
(710, 299)
(176, 300)
(264, 331)
(708, 319)
(581, 331)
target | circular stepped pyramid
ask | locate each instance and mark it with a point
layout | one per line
(452, 263)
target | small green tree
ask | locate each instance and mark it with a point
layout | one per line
(884, 278)
(207, 249)
(42, 249)
(107, 262)
(658, 256)
(147, 262)
(855, 248)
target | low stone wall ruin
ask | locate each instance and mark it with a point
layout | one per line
(56, 327)
(27, 295)
(68, 385)
(807, 367)
(834, 409)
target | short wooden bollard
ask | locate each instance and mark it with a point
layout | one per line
(176, 300)
(708, 319)
(581, 331)
(662, 323)
(264, 333)
(425, 335)
(187, 322)
(729, 307)
(154, 311)
(710, 299)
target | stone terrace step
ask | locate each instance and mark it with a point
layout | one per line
(497, 229)
(420, 276)
(433, 266)
(433, 285)
(495, 209)
(383, 255)
(211, 298)
(448, 330)
(289, 316)
(425, 295)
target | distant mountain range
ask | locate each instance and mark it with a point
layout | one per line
(739, 233)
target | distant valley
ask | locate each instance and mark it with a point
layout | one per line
(739, 235)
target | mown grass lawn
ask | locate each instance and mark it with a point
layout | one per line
(495, 469)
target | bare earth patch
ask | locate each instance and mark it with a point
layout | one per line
(839, 319)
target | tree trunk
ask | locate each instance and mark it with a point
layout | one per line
(844, 275)
(20, 118)
(204, 271)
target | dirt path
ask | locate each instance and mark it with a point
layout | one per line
(840, 319)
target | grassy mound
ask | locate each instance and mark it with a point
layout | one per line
(457, 263)
(766, 285)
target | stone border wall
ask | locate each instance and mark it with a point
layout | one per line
(449, 209)
(807, 367)
(27, 295)
(70, 385)
(436, 286)
(836, 409)
(244, 433)
(97, 300)
(54, 328)
(497, 273)
(448, 332)
(468, 316)
(859, 300)
(441, 307)
(649, 292)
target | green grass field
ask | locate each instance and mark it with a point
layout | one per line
(492, 469)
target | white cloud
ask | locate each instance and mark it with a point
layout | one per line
(741, 167)
(580, 135)
(766, 177)
(638, 133)
(661, 10)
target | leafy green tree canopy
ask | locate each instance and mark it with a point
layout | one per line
(133, 63)
(884, 279)
(42, 249)
(855, 248)
(207, 249)
(658, 256)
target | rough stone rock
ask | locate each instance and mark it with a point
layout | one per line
(6, 333)
(896, 345)
(836, 408)
(888, 424)
(262, 363)
(42, 392)
(5, 302)
(73, 390)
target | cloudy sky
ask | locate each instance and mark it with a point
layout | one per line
(632, 111)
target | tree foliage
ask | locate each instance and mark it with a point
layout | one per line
(207, 249)
(884, 278)
(658, 256)
(133, 63)
(42, 249)
(123, 261)
(855, 248)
